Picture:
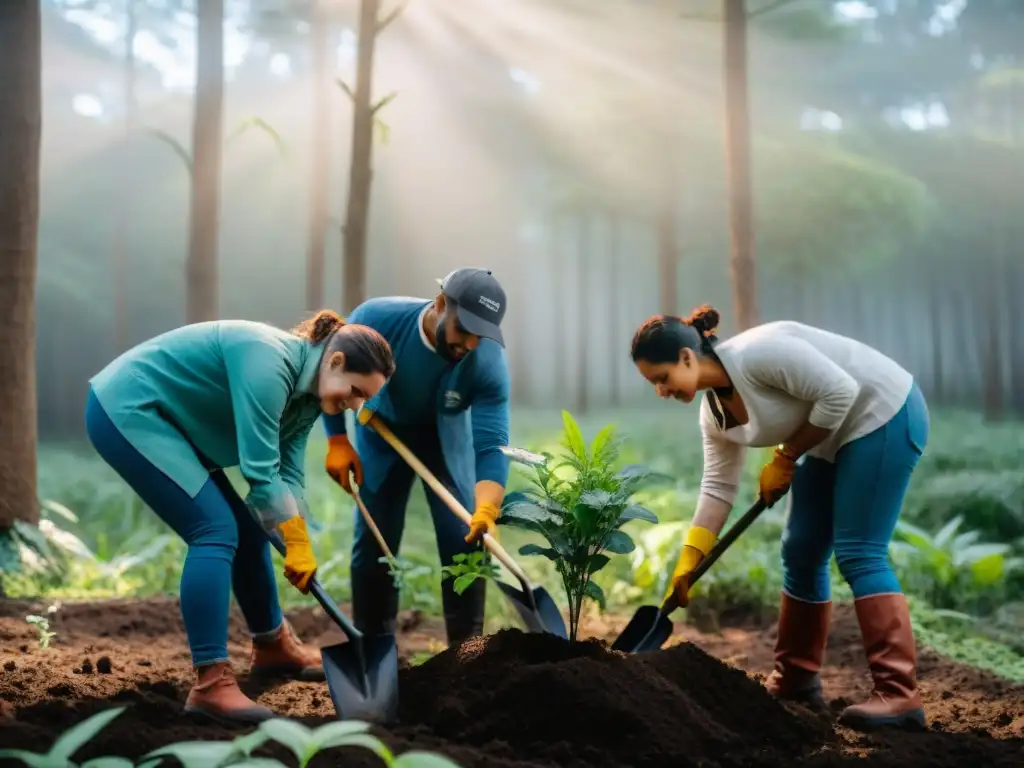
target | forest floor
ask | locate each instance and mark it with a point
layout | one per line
(508, 700)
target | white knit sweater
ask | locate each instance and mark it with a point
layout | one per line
(788, 373)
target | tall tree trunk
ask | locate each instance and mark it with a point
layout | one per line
(614, 290)
(360, 176)
(20, 130)
(668, 257)
(583, 255)
(321, 154)
(207, 145)
(119, 267)
(743, 272)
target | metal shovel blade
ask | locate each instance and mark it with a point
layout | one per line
(647, 631)
(363, 686)
(540, 614)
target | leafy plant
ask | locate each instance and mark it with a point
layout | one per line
(467, 568)
(952, 568)
(305, 743)
(579, 503)
(42, 625)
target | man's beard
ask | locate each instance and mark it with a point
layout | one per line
(442, 347)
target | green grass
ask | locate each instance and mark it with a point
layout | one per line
(970, 471)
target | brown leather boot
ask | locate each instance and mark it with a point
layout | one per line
(800, 651)
(892, 658)
(284, 655)
(216, 695)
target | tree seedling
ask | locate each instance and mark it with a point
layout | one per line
(467, 568)
(580, 511)
(42, 625)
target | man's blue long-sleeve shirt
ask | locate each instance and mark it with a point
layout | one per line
(413, 395)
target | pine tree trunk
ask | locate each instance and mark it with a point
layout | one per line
(20, 130)
(119, 265)
(321, 155)
(361, 163)
(207, 145)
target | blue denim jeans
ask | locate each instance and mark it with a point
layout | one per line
(227, 549)
(851, 507)
(374, 597)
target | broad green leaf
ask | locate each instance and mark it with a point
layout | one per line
(30, 759)
(334, 734)
(257, 762)
(70, 741)
(595, 593)
(988, 570)
(946, 533)
(291, 734)
(574, 436)
(636, 512)
(597, 500)
(196, 754)
(587, 518)
(976, 552)
(244, 745)
(416, 759)
(367, 741)
(462, 583)
(597, 562)
(534, 549)
(531, 512)
(602, 440)
(56, 507)
(619, 543)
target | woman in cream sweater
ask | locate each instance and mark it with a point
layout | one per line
(849, 426)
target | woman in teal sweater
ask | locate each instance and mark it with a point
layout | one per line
(172, 413)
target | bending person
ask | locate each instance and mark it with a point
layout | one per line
(449, 402)
(170, 414)
(849, 426)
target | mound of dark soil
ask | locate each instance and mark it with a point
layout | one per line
(581, 704)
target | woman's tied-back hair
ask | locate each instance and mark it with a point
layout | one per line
(661, 338)
(365, 350)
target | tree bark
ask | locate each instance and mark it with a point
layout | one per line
(207, 145)
(743, 272)
(121, 337)
(583, 254)
(20, 131)
(321, 155)
(360, 177)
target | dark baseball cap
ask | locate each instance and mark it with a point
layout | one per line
(480, 300)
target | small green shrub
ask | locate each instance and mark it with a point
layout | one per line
(580, 513)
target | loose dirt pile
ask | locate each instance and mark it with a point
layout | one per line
(505, 701)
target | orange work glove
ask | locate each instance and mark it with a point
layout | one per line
(343, 461)
(299, 562)
(483, 521)
(776, 477)
(696, 545)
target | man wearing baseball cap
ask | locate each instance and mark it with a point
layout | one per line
(448, 401)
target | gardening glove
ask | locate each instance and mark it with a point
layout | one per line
(696, 545)
(776, 476)
(299, 563)
(342, 460)
(484, 520)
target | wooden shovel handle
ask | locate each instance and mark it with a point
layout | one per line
(372, 525)
(370, 419)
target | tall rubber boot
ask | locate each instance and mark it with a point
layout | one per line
(216, 695)
(800, 651)
(283, 654)
(892, 658)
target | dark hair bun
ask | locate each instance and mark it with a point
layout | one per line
(319, 327)
(704, 320)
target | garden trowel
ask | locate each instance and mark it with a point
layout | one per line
(534, 605)
(362, 674)
(650, 626)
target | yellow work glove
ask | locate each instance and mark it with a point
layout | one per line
(776, 477)
(483, 521)
(696, 545)
(343, 461)
(299, 563)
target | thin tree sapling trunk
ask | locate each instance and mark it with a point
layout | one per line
(319, 176)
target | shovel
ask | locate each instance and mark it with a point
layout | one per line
(534, 605)
(650, 626)
(362, 674)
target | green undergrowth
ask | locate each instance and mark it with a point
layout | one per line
(959, 547)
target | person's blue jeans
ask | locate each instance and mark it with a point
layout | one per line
(851, 507)
(374, 597)
(226, 546)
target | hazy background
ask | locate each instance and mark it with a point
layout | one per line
(576, 148)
